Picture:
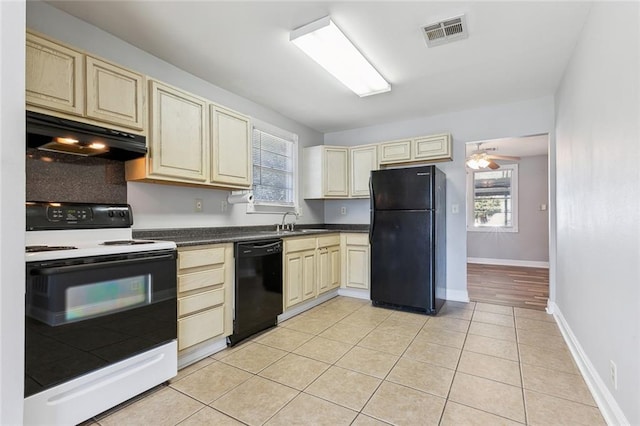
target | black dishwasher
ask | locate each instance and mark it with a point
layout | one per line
(258, 289)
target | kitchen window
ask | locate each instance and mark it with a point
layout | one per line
(274, 170)
(493, 199)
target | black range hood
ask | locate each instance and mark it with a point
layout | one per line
(60, 135)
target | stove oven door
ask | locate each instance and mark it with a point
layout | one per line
(86, 313)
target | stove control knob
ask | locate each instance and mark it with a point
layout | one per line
(110, 213)
(122, 214)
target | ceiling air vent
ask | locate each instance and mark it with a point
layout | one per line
(446, 31)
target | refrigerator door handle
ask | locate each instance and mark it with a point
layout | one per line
(372, 218)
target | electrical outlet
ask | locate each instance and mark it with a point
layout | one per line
(198, 205)
(455, 208)
(343, 210)
(613, 372)
(223, 205)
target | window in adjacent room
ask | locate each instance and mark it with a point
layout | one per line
(493, 199)
(274, 170)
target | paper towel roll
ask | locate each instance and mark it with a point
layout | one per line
(245, 198)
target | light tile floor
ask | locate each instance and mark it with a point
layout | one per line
(347, 363)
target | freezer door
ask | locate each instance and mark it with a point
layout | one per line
(402, 259)
(402, 189)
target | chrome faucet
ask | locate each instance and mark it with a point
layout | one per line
(290, 225)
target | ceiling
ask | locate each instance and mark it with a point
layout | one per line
(515, 50)
(520, 147)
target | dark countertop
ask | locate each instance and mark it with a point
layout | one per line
(185, 237)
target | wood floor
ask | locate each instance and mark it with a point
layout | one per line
(508, 285)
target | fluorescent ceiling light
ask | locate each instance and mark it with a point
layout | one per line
(329, 47)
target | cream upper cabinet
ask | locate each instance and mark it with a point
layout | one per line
(54, 76)
(419, 149)
(114, 94)
(178, 143)
(231, 162)
(435, 147)
(328, 256)
(364, 159)
(65, 82)
(356, 258)
(326, 172)
(395, 151)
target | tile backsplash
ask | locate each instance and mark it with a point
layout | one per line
(69, 178)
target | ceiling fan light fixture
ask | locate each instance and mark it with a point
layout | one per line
(478, 161)
(323, 42)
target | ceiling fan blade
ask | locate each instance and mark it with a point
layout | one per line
(503, 157)
(493, 165)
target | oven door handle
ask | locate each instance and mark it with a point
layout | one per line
(85, 266)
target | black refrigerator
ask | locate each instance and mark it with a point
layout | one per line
(408, 239)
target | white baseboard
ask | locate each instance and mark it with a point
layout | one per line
(610, 409)
(457, 295)
(201, 351)
(508, 262)
(298, 309)
(355, 293)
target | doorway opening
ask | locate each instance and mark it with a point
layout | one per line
(508, 221)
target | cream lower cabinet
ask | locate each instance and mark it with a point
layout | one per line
(205, 294)
(356, 261)
(328, 255)
(299, 270)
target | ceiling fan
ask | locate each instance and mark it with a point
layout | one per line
(481, 159)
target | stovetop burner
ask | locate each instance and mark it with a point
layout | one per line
(35, 249)
(125, 242)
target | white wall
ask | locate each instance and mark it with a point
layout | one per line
(598, 193)
(12, 213)
(159, 206)
(492, 122)
(531, 242)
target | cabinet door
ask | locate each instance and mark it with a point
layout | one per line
(54, 76)
(231, 148)
(436, 147)
(395, 152)
(324, 270)
(114, 94)
(334, 267)
(357, 258)
(336, 172)
(309, 275)
(293, 273)
(178, 135)
(363, 161)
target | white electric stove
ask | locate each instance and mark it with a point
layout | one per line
(101, 313)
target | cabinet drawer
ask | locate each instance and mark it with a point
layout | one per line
(291, 245)
(200, 257)
(358, 239)
(196, 280)
(200, 327)
(200, 301)
(329, 240)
